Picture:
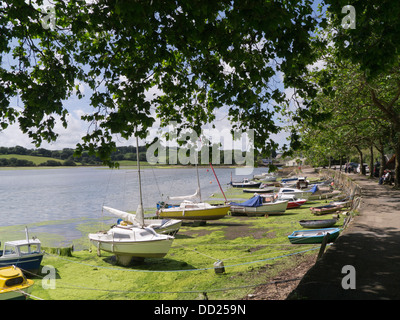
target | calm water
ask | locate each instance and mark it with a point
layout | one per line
(32, 196)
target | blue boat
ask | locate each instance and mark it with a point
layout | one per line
(284, 180)
(24, 254)
(313, 236)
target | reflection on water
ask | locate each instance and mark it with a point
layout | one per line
(32, 196)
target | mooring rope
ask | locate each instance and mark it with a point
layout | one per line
(183, 270)
(179, 292)
(74, 286)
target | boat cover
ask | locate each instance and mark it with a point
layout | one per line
(314, 189)
(256, 201)
(288, 179)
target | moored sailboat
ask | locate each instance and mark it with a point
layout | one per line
(190, 209)
(136, 242)
(161, 226)
(257, 207)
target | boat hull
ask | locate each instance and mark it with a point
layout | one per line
(314, 236)
(13, 284)
(325, 209)
(144, 249)
(169, 227)
(30, 263)
(245, 185)
(266, 208)
(214, 213)
(297, 194)
(17, 294)
(264, 190)
(324, 195)
(325, 223)
(295, 204)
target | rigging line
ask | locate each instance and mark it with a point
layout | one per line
(155, 179)
(71, 286)
(183, 270)
(28, 294)
(184, 246)
(287, 246)
(206, 255)
(105, 196)
(250, 254)
(108, 185)
(240, 257)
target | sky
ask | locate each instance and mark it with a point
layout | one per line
(77, 128)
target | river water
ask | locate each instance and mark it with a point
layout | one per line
(40, 195)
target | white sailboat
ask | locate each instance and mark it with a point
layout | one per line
(190, 209)
(304, 194)
(136, 242)
(162, 226)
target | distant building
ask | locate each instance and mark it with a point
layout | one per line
(295, 162)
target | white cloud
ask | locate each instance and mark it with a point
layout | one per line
(68, 137)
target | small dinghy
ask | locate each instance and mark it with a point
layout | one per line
(329, 208)
(25, 254)
(313, 236)
(246, 183)
(315, 224)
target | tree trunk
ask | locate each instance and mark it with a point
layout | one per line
(371, 162)
(383, 160)
(362, 169)
(397, 166)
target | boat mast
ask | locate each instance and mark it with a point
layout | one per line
(198, 181)
(26, 234)
(139, 213)
(219, 183)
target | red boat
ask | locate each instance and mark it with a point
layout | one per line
(295, 203)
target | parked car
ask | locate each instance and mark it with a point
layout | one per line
(365, 166)
(352, 167)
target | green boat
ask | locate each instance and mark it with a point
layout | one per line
(313, 236)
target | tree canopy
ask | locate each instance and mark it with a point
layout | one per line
(182, 61)
(358, 85)
(199, 56)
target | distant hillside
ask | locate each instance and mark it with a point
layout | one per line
(18, 160)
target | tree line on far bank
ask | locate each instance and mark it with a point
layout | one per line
(9, 156)
(64, 157)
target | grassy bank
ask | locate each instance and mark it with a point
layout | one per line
(253, 250)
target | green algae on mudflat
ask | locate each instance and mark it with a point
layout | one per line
(253, 250)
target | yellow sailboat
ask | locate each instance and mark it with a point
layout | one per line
(190, 209)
